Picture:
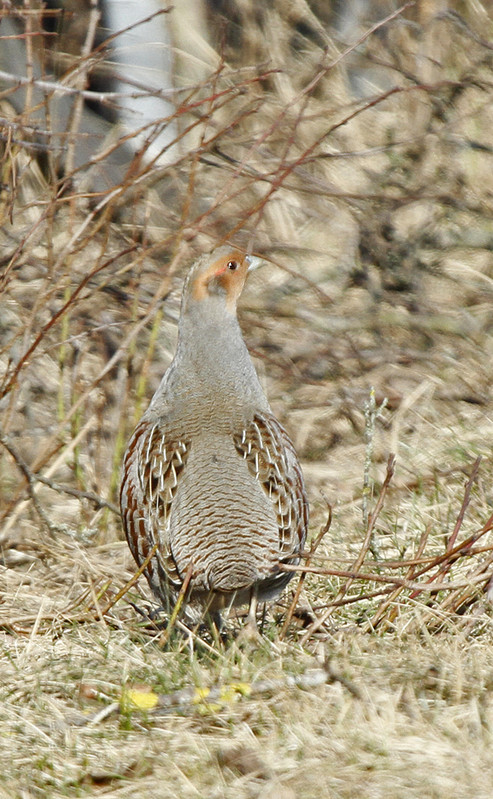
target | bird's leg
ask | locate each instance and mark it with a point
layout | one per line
(213, 619)
(217, 620)
(251, 620)
(252, 610)
(262, 621)
(249, 633)
(150, 614)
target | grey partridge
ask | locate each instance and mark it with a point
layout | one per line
(210, 476)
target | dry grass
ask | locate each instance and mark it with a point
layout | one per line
(365, 177)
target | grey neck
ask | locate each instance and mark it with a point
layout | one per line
(212, 375)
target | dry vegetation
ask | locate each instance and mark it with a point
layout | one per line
(365, 176)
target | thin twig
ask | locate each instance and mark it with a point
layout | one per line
(314, 546)
(351, 576)
(390, 601)
(450, 545)
(53, 529)
(465, 503)
(132, 580)
(98, 501)
(178, 605)
(354, 573)
(81, 80)
(372, 413)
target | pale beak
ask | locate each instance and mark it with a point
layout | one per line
(253, 261)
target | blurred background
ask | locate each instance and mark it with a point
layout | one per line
(350, 143)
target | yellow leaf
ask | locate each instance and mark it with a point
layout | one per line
(201, 695)
(143, 700)
(243, 688)
(212, 700)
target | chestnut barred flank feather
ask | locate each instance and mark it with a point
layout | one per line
(210, 477)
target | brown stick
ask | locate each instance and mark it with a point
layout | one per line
(314, 546)
(354, 574)
(178, 604)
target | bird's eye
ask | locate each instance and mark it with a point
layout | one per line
(232, 265)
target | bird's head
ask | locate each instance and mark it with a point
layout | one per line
(220, 274)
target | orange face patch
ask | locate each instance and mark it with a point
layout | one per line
(230, 272)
